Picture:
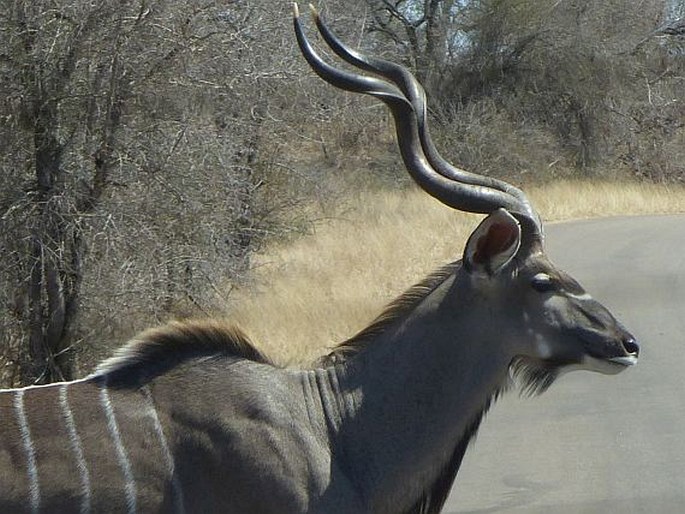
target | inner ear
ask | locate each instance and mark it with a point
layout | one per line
(493, 244)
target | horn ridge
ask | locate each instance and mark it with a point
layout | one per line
(406, 98)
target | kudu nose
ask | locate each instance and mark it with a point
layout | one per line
(630, 346)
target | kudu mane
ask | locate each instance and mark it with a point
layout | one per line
(158, 350)
(398, 309)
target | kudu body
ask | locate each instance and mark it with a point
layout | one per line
(192, 418)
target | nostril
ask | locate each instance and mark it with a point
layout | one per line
(630, 345)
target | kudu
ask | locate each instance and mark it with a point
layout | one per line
(191, 418)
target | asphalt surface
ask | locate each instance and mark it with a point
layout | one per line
(595, 443)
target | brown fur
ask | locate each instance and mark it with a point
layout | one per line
(157, 350)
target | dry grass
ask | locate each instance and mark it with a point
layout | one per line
(321, 289)
(567, 200)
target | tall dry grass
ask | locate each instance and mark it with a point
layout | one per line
(308, 295)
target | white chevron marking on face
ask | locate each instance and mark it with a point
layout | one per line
(582, 296)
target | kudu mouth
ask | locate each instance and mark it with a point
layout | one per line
(631, 351)
(621, 352)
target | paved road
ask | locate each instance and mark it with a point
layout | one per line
(593, 443)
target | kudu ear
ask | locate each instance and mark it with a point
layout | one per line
(493, 244)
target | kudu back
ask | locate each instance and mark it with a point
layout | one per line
(191, 417)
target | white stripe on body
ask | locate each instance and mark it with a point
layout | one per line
(44, 386)
(77, 447)
(171, 467)
(32, 470)
(124, 463)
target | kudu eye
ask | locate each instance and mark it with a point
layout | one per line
(543, 283)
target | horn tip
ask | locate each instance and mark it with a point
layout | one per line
(315, 11)
(296, 10)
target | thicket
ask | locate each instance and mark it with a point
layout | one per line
(148, 148)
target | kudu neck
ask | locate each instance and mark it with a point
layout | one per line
(405, 403)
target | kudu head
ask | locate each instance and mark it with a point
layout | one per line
(549, 323)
